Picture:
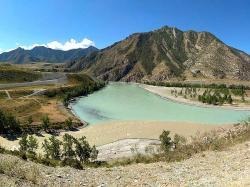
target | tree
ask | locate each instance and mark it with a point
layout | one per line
(55, 148)
(69, 123)
(45, 122)
(28, 145)
(9, 124)
(68, 151)
(229, 99)
(82, 149)
(23, 144)
(52, 148)
(179, 140)
(166, 142)
(32, 145)
(94, 153)
(46, 147)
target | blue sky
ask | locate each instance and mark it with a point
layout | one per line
(27, 22)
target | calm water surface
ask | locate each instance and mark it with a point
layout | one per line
(122, 101)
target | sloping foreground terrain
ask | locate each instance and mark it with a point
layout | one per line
(226, 168)
(166, 54)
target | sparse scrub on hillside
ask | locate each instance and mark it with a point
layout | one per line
(178, 148)
(78, 153)
(14, 167)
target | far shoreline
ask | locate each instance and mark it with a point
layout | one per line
(153, 89)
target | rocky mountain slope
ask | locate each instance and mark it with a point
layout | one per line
(43, 54)
(211, 168)
(165, 54)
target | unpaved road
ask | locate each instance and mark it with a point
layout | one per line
(8, 94)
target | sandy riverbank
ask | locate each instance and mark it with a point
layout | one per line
(109, 132)
(165, 92)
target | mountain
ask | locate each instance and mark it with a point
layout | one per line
(43, 54)
(166, 54)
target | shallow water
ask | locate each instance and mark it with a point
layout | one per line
(122, 101)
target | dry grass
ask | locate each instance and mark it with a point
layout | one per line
(16, 168)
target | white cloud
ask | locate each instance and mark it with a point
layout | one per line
(71, 44)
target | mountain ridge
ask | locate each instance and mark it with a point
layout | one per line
(166, 54)
(44, 54)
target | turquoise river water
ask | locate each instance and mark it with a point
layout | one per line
(122, 101)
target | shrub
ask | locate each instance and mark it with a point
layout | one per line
(9, 124)
(69, 123)
(45, 122)
(32, 145)
(72, 163)
(28, 145)
(166, 142)
(52, 148)
(68, 149)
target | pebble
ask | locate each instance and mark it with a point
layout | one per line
(118, 177)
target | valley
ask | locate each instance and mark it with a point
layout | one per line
(157, 98)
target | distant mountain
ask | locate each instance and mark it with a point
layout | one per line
(166, 54)
(43, 54)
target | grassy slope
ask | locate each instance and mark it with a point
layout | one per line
(9, 74)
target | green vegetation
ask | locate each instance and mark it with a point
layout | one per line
(45, 122)
(52, 148)
(185, 85)
(10, 74)
(31, 111)
(215, 98)
(69, 123)
(9, 124)
(69, 152)
(28, 145)
(166, 142)
(83, 85)
(216, 94)
(78, 153)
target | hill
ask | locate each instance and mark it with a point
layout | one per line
(166, 54)
(9, 74)
(43, 54)
(212, 168)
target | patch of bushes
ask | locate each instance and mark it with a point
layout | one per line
(69, 152)
(9, 124)
(216, 98)
(212, 86)
(83, 85)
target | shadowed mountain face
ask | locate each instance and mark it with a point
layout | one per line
(165, 54)
(43, 54)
